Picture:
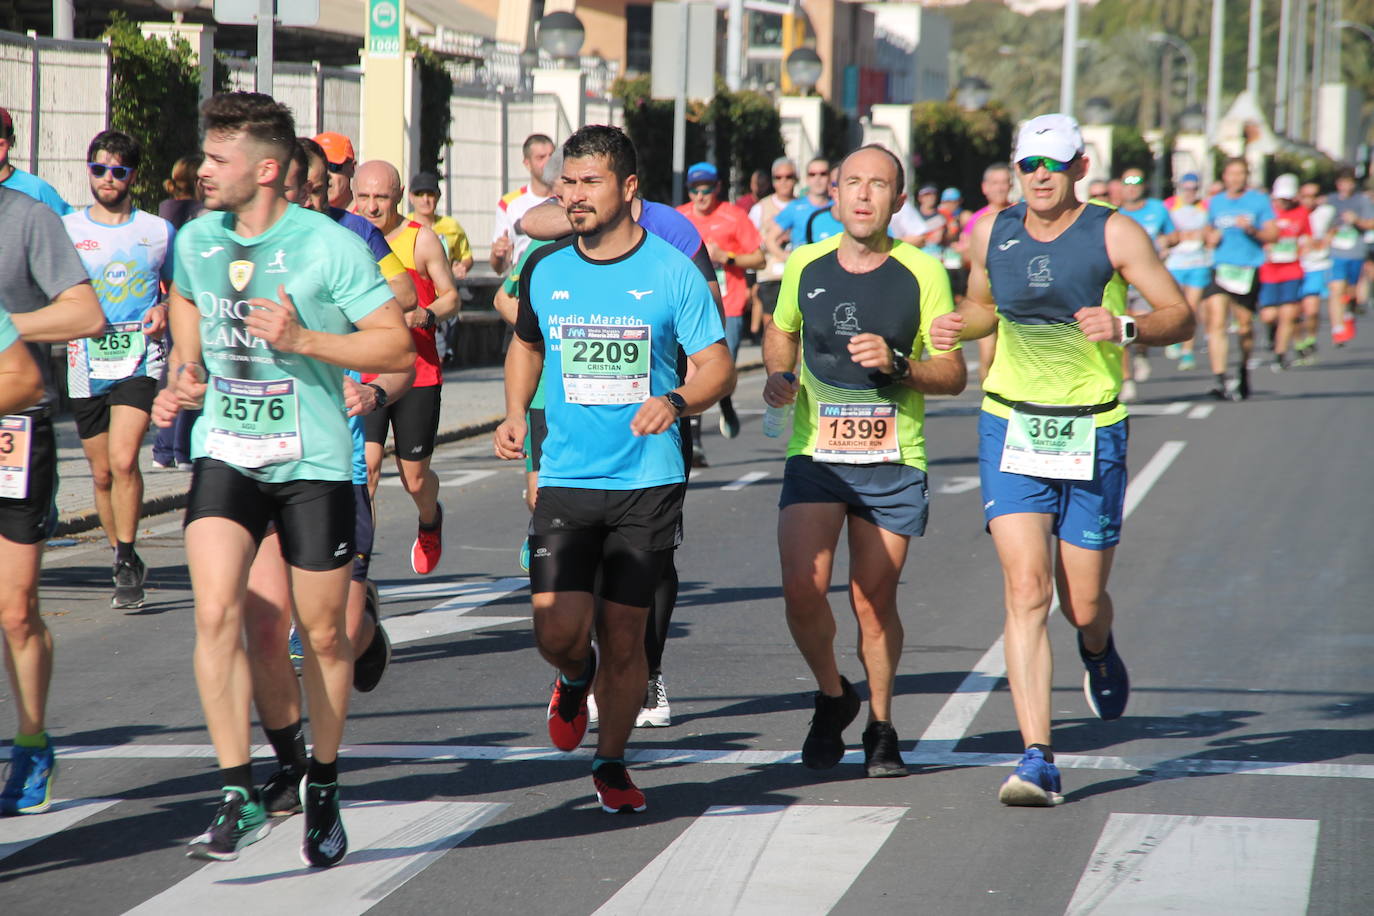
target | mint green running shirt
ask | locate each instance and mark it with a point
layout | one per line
(275, 416)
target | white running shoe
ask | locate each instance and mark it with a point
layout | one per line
(656, 712)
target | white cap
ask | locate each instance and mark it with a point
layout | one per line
(1054, 135)
(1286, 187)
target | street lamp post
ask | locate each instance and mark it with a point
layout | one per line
(1189, 59)
(561, 34)
(1068, 77)
(804, 69)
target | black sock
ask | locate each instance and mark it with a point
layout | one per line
(727, 407)
(598, 761)
(324, 774)
(438, 520)
(124, 551)
(1221, 379)
(289, 743)
(1045, 749)
(240, 777)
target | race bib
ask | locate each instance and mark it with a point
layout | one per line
(856, 434)
(252, 424)
(1347, 237)
(118, 352)
(16, 432)
(605, 364)
(952, 259)
(1189, 246)
(1284, 251)
(721, 278)
(1043, 446)
(1233, 279)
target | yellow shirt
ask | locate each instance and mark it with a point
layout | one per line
(455, 239)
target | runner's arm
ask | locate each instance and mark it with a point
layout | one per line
(780, 349)
(381, 343)
(21, 384)
(524, 365)
(184, 390)
(505, 305)
(546, 222)
(712, 378)
(402, 290)
(1133, 255)
(75, 312)
(431, 258)
(773, 239)
(977, 315)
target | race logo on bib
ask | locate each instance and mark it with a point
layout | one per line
(240, 272)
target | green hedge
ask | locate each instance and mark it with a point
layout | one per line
(951, 147)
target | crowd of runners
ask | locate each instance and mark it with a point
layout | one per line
(277, 324)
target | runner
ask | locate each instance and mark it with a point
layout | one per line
(112, 379)
(734, 246)
(996, 187)
(508, 239)
(762, 214)
(790, 223)
(48, 295)
(1240, 222)
(413, 421)
(270, 299)
(611, 487)
(862, 304)
(1316, 268)
(341, 162)
(1154, 218)
(16, 179)
(424, 202)
(1354, 216)
(1280, 275)
(1189, 260)
(1051, 273)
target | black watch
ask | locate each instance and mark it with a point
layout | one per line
(429, 318)
(901, 366)
(381, 395)
(676, 401)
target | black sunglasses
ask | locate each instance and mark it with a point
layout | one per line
(117, 172)
(337, 167)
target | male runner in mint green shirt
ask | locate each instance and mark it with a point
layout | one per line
(266, 297)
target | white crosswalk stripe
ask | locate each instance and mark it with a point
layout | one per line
(18, 833)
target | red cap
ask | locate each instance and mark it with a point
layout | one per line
(338, 149)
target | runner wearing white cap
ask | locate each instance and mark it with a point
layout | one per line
(1281, 274)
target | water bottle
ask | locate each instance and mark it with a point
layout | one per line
(775, 419)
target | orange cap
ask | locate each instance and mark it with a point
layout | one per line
(338, 149)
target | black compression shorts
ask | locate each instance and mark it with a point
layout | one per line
(33, 518)
(413, 421)
(92, 414)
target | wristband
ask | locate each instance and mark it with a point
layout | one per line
(1128, 329)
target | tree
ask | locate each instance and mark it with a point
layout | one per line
(951, 147)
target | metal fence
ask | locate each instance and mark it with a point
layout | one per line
(58, 93)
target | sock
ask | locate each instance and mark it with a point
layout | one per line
(1045, 749)
(580, 682)
(438, 520)
(1221, 379)
(598, 761)
(324, 773)
(240, 777)
(289, 743)
(124, 551)
(38, 740)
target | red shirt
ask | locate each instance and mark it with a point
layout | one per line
(728, 228)
(1281, 258)
(428, 370)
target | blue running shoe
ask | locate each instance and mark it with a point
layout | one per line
(525, 555)
(1105, 684)
(297, 650)
(28, 790)
(1034, 783)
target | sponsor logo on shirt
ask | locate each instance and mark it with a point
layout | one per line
(1005, 246)
(88, 245)
(560, 294)
(117, 273)
(846, 319)
(639, 294)
(633, 334)
(210, 252)
(1038, 271)
(278, 263)
(815, 292)
(240, 272)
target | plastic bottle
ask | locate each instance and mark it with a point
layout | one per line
(775, 419)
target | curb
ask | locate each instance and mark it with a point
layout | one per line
(77, 524)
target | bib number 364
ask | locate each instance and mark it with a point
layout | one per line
(1038, 445)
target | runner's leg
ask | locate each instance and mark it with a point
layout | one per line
(807, 535)
(28, 642)
(1081, 575)
(622, 672)
(128, 425)
(327, 673)
(1023, 547)
(876, 557)
(97, 449)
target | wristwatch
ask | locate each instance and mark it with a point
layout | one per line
(676, 401)
(381, 395)
(901, 366)
(1128, 332)
(429, 318)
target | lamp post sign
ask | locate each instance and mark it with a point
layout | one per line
(383, 28)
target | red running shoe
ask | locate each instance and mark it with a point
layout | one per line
(616, 791)
(428, 546)
(568, 709)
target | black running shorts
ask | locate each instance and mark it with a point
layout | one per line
(315, 519)
(92, 415)
(363, 532)
(627, 535)
(34, 518)
(413, 421)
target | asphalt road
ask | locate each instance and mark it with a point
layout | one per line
(1239, 780)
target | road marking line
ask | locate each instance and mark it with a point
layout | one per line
(442, 589)
(57, 554)
(956, 716)
(954, 485)
(1155, 863)
(389, 843)
(745, 481)
(1158, 410)
(1152, 767)
(450, 616)
(18, 833)
(459, 479)
(759, 859)
(1201, 411)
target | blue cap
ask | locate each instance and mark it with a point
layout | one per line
(950, 194)
(1190, 178)
(702, 172)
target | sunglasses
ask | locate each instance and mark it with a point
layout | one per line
(337, 167)
(117, 172)
(704, 189)
(1033, 163)
(1133, 180)
(792, 177)
(817, 174)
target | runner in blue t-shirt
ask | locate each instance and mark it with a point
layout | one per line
(1152, 216)
(1240, 223)
(788, 228)
(601, 316)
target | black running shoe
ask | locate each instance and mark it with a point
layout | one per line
(1242, 389)
(239, 821)
(729, 420)
(325, 844)
(824, 745)
(371, 665)
(129, 576)
(1106, 685)
(882, 755)
(281, 794)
